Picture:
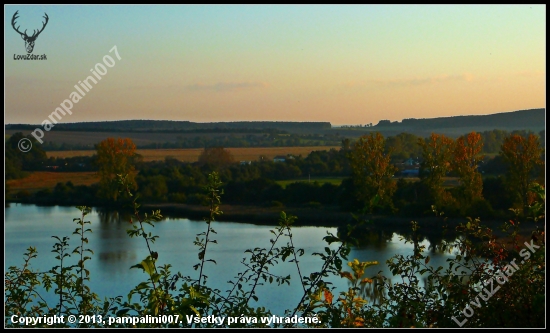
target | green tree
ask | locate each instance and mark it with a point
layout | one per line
(404, 145)
(437, 152)
(17, 161)
(115, 157)
(154, 188)
(523, 155)
(372, 171)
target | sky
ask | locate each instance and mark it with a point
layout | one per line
(344, 64)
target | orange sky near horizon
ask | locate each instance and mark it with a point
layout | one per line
(341, 64)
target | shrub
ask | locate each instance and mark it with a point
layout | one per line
(23, 194)
(313, 204)
(455, 297)
(276, 204)
(197, 199)
(480, 208)
(177, 197)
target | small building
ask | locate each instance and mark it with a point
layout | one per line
(279, 158)
(411, 162)
(246, 162)
(410, 172)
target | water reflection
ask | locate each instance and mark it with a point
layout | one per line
(113, 244)
(115, 252)
(373, 238)
(377, 244)
(113, 216)
(436, 240)
(117, 256)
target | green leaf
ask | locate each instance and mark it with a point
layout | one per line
(148, 265)
(122, 312)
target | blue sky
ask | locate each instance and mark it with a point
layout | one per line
(344, 64)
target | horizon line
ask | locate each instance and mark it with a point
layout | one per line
(275, 121)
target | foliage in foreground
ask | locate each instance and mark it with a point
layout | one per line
(485, 284)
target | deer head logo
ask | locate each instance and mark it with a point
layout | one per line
(29, 40)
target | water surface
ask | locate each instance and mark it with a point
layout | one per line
(115, 252)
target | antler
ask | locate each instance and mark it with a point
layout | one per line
(15, 17)
(29, 40)
(44, 25)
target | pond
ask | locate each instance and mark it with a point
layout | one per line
(115, 252)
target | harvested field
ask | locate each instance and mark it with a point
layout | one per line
(42, 179)
(192, 155)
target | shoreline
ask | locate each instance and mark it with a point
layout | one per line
(328, 216)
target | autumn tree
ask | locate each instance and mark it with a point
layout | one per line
(372, 171)
(437, 151)
(115, 157)
(216, 157)
(466, 158)
(522, 155)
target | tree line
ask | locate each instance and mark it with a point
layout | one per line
(450, 296)
(403, 144)
(367, 166)
(484, 284)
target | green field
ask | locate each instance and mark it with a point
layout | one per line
(332, 180)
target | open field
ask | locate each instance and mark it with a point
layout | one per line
(448, 182)
(39, 180)
(92, 138)
(332, 180)
(43, 179)
(192, 155)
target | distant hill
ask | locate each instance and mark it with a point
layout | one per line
(521, 119)
(531, 120)
(158, 132)
(182, 126)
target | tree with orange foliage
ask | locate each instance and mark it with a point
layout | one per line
(372, 171)
(115, 157)
(522, 155)
(437, 151)
(466, 159)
